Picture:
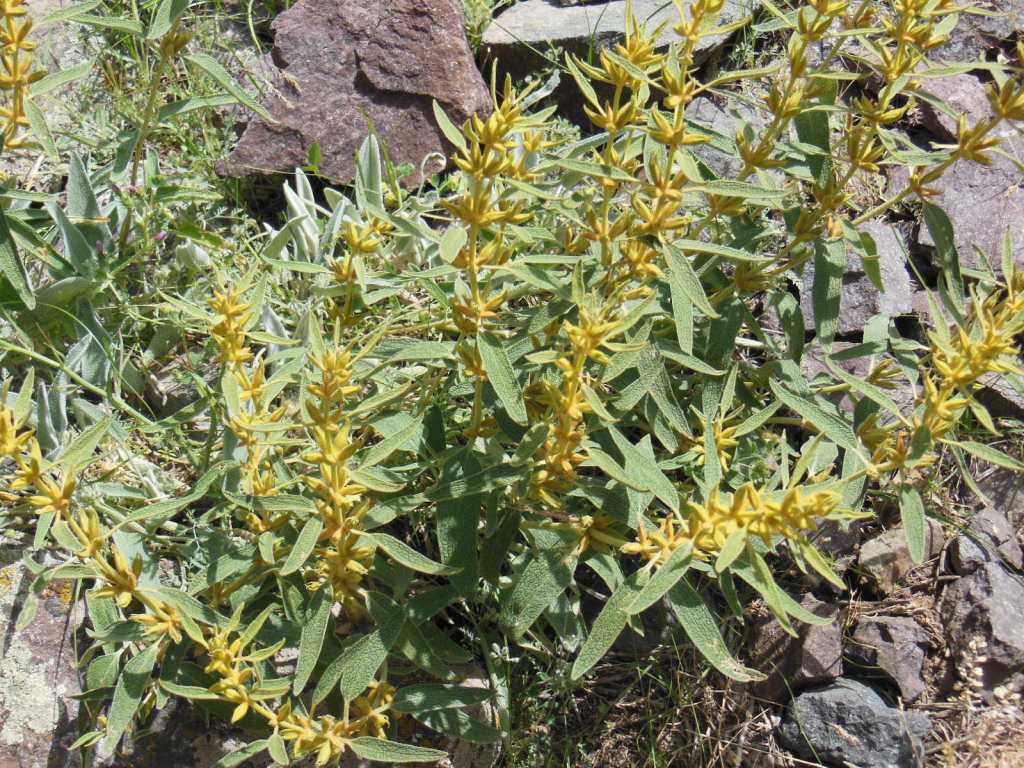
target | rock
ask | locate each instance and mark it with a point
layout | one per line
(885, 559)
(1005, 491)
(983, 203)
(860, 299)
(962, 93)
(709, 113)
(846, 723)
(976, 35)
(181, 736)
(896, 645)
(351, 67)
(988, 538)
(1003, 397)
(520, 36)
(984, 610)
(839, 541)
(37, 672)
(793, 663)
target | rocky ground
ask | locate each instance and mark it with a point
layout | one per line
(917, 665)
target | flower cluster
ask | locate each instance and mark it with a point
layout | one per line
(18, 74)
(709, 525)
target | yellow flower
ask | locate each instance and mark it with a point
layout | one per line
(12, 443)
(162, 620)
(229, 329)
(53, 497)
(725, 441)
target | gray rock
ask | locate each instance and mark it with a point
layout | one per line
(988, 538)
(1003, 396)
(896, 645)
(983, 204)
(840, 542)
(964, 94)
(885, 559)
(724, 119)
(986, 609)
(349, 67)
(860, 299)
(37, 672)
(975, 35)
(1005, 491)
(793, 663)
(521, 35)
(847, 724)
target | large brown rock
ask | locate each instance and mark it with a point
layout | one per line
(792, 663)
(351, 67)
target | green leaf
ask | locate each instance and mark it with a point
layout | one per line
(990, 454)
(214, 69)
(819, 564)
(362, 659)
(952, 285)
(405, 555)
(609, 623)
(714, 249)
(457, 523)
(242, 755)
(11, 266)
(749, 192)
(666, 577)
(303, 546)
(193, 692)
(453, 134)
(41, 131)
(502, 376)
(647, 471)
(829, 423)
(827, 290)
(311, 642)
(701, 627)
(915, 526)
(277, 750)
(79, 453)
(732, 549)
(131, 686)
(382, 750)
(458, 724)
(426, 697)
(167, 14)
(546, 575)
(60, 78)
(386, 447)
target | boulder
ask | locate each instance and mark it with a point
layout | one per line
(982, 615)
(895, 645)
(963, 94)
(983, 203)
(846, 723)
(1005, 491)
(793, 663)
(359, 66)
(885, 559)
(861, 299)
(520, 37)
(988, 538)
(37, 671)
(976, 35)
